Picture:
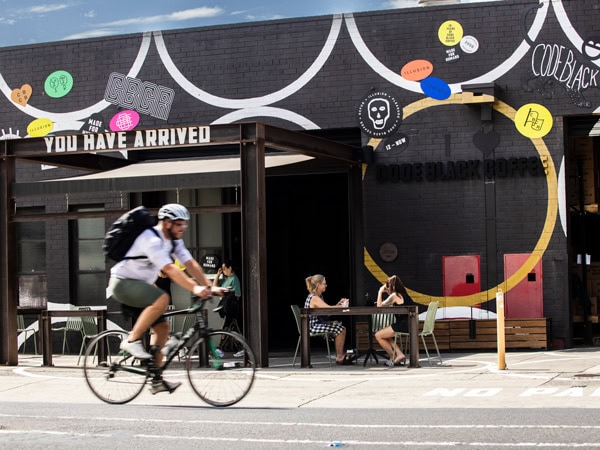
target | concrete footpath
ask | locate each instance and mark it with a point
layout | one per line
(532, 379)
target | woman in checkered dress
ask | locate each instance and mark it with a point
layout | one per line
(316, 285)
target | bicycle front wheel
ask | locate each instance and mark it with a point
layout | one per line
(121, 377)
(221, 378)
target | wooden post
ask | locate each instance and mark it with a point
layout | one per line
(500, 329)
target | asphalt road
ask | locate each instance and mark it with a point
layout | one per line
(542, 400)
(67, 425)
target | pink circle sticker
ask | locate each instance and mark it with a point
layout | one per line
(124, 120)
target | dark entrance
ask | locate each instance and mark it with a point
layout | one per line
(307, 233)
(583, 196)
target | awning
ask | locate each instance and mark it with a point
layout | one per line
(187, 166)
(156, 175)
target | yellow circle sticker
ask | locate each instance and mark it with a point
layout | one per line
(450, 33)
(40, 127)
(533, 120)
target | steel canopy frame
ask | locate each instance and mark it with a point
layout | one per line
(250, 140)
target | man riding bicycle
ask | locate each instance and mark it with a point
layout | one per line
(132, 283)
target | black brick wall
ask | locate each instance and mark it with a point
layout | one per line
(426, 220)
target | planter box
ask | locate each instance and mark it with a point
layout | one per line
(455, 334)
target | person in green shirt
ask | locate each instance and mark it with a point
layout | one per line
(230, 305)
(226, 278)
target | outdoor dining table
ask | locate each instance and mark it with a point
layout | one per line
(408, 310)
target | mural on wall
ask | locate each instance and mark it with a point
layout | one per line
(540, 166)
(40, 127)
(450, 33)
(533, 120)
(141, 96)
(244, 108)
(21, 95)
(93, 124)
(553, 63)
(9, 135)
(379, 114)
(124, 121)
(58, 84)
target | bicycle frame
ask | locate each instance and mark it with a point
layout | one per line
(199, 329)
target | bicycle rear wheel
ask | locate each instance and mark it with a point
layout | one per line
(221, 380)
(118, 380)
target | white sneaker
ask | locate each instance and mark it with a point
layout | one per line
(219, 352)
(135, 349)
(239, 354)
(163, 386)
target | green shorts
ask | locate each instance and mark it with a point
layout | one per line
(134, 293)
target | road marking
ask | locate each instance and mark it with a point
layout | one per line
(397, 426)
(427, 444)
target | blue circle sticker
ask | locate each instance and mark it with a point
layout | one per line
(435, 88)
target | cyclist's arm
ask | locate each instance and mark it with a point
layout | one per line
(179, 277)
(194, 269)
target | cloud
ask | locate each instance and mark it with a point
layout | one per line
(178, 16)
(402, 3)
(44, 9)
(98, 32)
(91, 13)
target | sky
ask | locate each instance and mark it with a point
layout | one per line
(26, 22)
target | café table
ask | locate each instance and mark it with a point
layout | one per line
(46, 329)
(409, 310)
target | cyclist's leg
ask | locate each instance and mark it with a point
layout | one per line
(159, 337)
(148, 316)
(160, 334)
(139, 294)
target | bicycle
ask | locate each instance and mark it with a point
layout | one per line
(217, 377)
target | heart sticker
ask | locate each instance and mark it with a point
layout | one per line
(486, 142)
(21, 95)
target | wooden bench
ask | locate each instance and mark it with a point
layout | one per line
(455, 334)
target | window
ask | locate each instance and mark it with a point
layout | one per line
(31, 248)
(31, 262)
(89, 269)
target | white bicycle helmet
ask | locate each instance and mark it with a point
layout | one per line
(173, 211)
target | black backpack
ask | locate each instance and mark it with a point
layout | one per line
(124, 231)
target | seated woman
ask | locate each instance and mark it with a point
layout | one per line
(396, 295)
(229, 307)
(316, 285)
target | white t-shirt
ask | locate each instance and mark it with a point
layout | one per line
(159, 252)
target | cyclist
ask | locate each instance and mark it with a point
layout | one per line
(132, 283)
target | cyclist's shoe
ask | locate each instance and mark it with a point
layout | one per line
(239, 354)
(135, 349)
(219, 352)
(163, 386)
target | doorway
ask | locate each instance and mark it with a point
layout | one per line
(583, 196)
(307, 233)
